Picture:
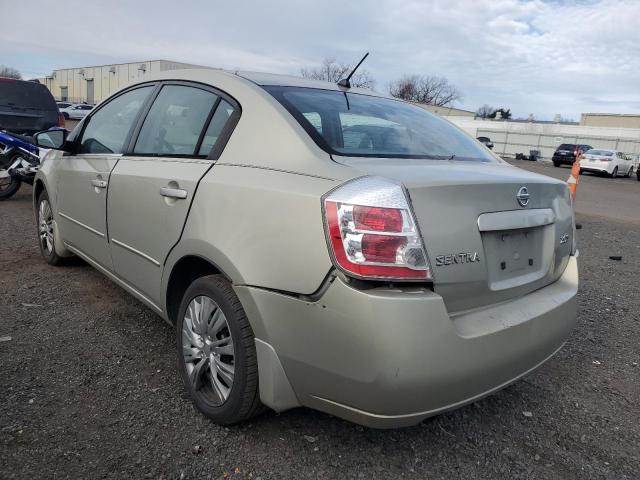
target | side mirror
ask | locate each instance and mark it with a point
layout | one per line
(51, 138)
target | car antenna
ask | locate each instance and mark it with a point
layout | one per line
(345, 81)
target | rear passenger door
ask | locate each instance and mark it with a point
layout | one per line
(152, 186)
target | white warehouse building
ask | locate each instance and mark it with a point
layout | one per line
(94, 84)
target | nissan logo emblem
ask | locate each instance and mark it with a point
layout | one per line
(523, 196)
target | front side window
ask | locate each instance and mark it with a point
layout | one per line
(175, 121)
(359, 125)
(109, 127)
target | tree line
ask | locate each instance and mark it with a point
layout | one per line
(9, 72)
(432, 89)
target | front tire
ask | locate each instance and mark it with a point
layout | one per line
(216, 352)
(556, 164)
(630, 172)
(8, 185)
(46, 232)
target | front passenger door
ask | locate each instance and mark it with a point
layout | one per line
(84, 175)
(152, 186)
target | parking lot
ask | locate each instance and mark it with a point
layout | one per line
(90, 387)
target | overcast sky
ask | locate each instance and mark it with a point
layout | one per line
(540, 57)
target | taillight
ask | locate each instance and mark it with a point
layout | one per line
(61, 120)
(372, 233)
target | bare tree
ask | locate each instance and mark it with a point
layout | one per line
(333, 71)
(505, 113)
(429, 89)
(485, 110)
(9, 72)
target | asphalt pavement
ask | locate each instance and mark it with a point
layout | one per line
(90, 387)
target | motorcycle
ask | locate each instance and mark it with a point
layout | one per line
(19, 162)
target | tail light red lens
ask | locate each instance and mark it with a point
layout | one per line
(372, 233)
(377, 219)
(61, 122)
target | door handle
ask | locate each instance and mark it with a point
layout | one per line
(99, 183)
(173, 193)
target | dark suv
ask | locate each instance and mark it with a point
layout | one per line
(567, 153)
(27, 107)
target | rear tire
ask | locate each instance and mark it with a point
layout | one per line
(630, 172)
(216, 352)
(46, 232)
(614, 174)
(556, 164)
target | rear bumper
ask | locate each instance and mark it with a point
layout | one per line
(596, 167)
(389, 358)
(563, 160)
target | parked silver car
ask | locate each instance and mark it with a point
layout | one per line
(75, 111)
(314, 244)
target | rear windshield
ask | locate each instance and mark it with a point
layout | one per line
(602, 153)
(358, 125)
(567, 146)
(28, 95)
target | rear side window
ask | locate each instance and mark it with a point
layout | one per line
(218, 121)
(109, 127)
(31, 95)
(175, 121)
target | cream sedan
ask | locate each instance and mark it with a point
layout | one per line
(314, 244)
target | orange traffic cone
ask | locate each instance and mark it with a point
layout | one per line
(575, 176)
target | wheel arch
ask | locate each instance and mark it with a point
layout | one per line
(184, 271)
(38, 188)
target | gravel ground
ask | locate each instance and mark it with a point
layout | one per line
(90, 389)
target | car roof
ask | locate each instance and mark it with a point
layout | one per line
(210, 75)
(277, 80)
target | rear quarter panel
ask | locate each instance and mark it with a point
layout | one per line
(260, 227)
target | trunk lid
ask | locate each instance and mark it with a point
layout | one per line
(483, 245)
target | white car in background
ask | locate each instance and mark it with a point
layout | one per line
(611, 162)
(76, 111)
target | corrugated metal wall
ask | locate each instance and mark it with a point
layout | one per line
(107, 79)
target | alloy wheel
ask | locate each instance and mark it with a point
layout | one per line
(45, 226)
(207, 350)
